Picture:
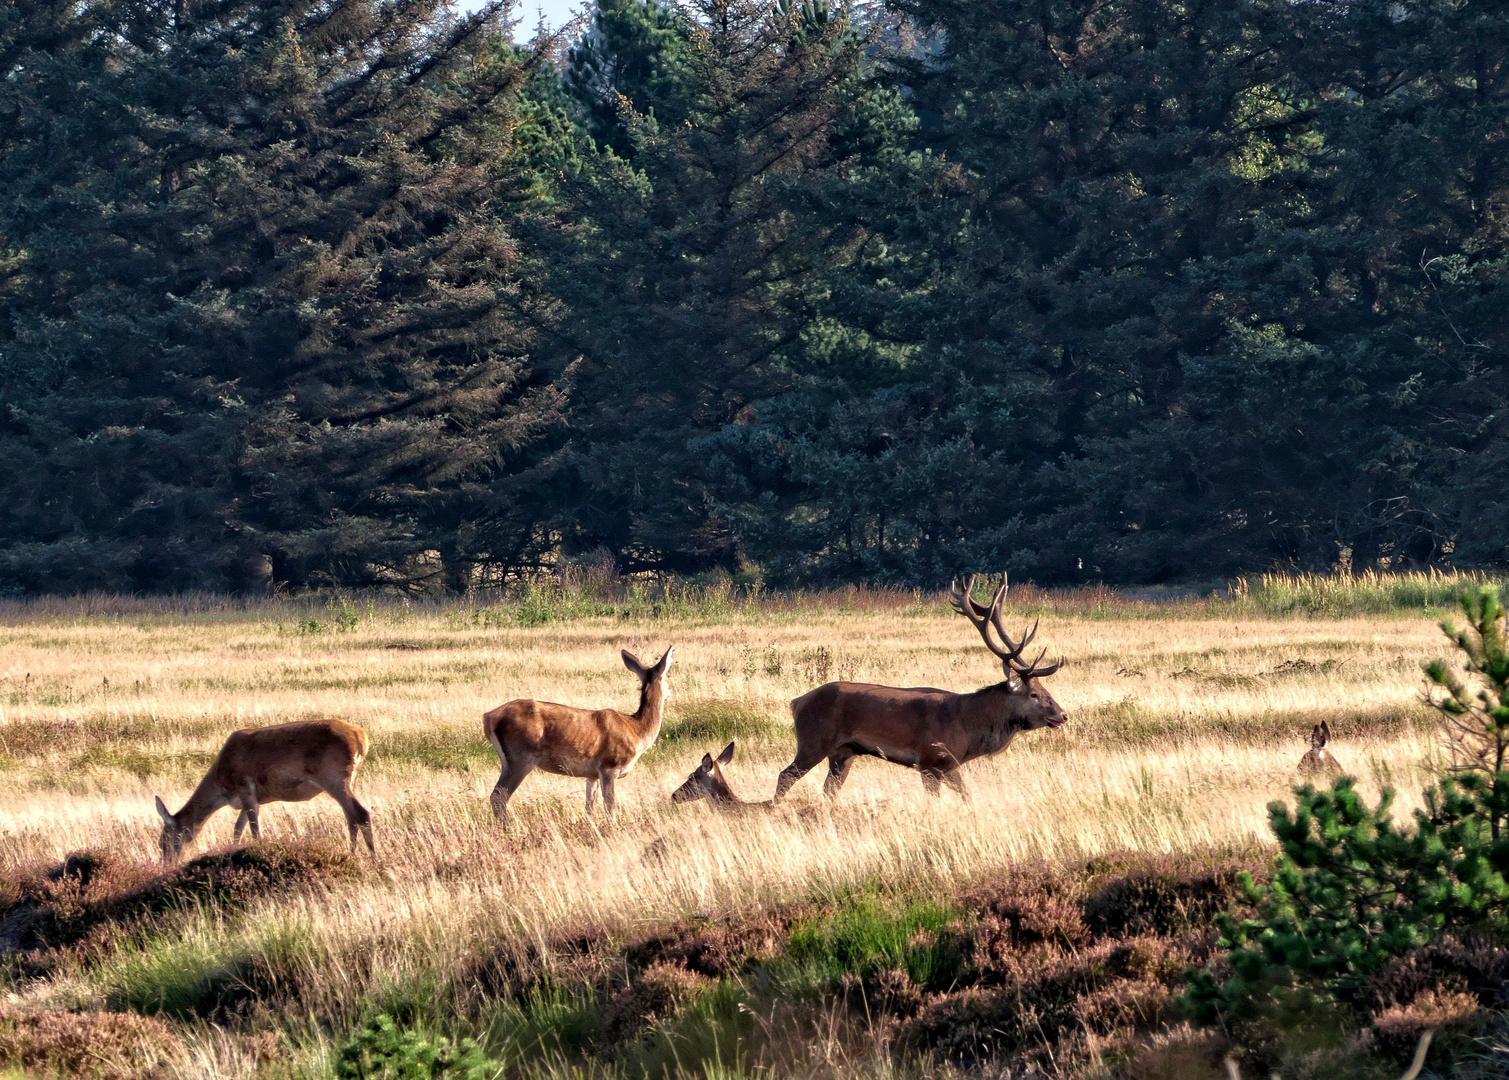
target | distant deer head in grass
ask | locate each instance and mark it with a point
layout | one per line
(1318, 760)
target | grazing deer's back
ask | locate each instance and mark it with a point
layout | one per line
(313, 744)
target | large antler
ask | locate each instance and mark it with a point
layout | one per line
(984, 618)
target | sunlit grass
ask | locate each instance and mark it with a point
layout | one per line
(1185, 720)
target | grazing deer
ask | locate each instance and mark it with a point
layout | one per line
(1318, 759)
(599, 745)
(283, 763)
(707, 782)
(930, 730)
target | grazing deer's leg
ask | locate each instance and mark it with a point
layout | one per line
(246, 800)
(838, 771)
(591, 794)
(253, 818)
(513, 775)
(607, 779)
(930, 780)
(358, 820)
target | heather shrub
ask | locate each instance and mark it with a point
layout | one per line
(88, 1045)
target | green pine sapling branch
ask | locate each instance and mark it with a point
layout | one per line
(1474, 717)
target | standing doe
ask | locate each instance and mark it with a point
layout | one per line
(599, 745)
(933, 731)
(283, 763)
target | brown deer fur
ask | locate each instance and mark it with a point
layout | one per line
(708, 782)
(933, 731)
(283, 763)
(1318, 759)
(598, 745)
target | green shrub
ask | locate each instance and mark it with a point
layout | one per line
(1351, 890)
(384, 1051)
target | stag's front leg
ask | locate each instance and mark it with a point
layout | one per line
(591, 794)
(930, 777)
(955, 780)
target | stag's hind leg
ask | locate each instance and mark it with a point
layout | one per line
(801, 765)
(838, 771)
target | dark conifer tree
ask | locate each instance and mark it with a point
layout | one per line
(268, 294)
(698, 286)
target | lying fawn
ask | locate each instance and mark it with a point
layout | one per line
(282, 763)
(1318, 759)
(707, 782)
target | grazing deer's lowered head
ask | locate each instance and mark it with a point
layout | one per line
(1318, 759)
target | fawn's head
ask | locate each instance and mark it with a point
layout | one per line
(706, 780)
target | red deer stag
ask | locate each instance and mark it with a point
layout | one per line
(930, 730)
(599, 745)
(283, 763)
(707, 782)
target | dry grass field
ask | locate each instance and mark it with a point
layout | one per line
(1185, 720)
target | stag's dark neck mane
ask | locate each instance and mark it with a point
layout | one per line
(990, 716)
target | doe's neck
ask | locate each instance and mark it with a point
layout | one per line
(651, 709)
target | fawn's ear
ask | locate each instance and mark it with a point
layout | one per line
(163, 810)
(663, 664)
(1325, 733)
(727, 755)
(632, 662)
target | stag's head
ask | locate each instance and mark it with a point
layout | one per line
(1032, 706)
(707, 780)
(174, 836)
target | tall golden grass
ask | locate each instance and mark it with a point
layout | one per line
(1185, 721)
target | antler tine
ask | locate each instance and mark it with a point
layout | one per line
(965, 605)
(1032, 670)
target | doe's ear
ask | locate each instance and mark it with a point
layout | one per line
(707, 761)
(632, 662)
(663, 664)
(163, 810)
(1325, 733)
(727, 755)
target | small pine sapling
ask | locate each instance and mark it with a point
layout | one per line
(1474, 716)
